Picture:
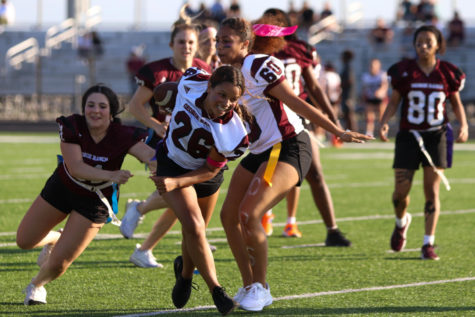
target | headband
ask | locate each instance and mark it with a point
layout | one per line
(268, 30)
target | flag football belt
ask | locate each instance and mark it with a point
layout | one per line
(272, 163)
(97, 189)
(420, 142)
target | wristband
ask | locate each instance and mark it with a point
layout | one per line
(216, 163)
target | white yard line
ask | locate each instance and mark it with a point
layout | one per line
(312, 295)
(108, 236)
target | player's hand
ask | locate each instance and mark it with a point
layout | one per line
(462, 134)
(120, 176)
(355, 137)
(152, 166)
(164, 184)
(161, 129)
(383, 132)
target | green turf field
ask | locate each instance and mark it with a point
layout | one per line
(306, 279)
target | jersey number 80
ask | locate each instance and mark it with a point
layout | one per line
(434, 102)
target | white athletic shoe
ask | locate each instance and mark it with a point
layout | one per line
(34, 295)
(240, 294)
(144, 259)
(44, 254)
(256, 298)
(131, 219)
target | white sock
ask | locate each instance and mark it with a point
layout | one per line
(291, 220)
(332, 228)
(269, 212)
(401, 222)
(429, 240)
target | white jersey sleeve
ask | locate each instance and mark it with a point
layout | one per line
(275, 120)
(191, 134)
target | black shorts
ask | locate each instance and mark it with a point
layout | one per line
(408, 154)
(167, 167)
(295, 151)
(61, 197)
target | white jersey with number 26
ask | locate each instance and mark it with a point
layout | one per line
(191, 133)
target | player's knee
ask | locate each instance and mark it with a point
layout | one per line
(23, 243)
(194, 228)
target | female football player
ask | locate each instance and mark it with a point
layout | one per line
(184, 44)
(299, 60)
(84, 186)
(422, 86)
(280, 152)
(206, 129)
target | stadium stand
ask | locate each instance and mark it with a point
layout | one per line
(62, 73)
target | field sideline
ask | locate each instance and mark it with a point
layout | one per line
(306, 278)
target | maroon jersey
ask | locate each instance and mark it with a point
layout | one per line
(424, 96)
(157, 72)
(296, 56)
(108, 154)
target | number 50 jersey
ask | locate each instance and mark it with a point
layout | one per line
(424, 96)
(191, 133)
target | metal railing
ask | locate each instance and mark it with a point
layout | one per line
(25, 51)
(55, 35)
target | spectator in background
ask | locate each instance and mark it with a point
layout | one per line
(381, 34)
(306, 20)
(7, 13)
(326, 12)
(85, 46)
(203, 13)
(134, 62)
(217, 11)
(234, 9)
(407, 11)
(374, 93)
(293, 14)
(348, 81)
(425, 10)
(97, 46)
(456, 30)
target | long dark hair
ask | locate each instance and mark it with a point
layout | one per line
(111, 96)
(231, 74)
(436, 32)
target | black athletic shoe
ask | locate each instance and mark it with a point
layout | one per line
(336, 239)
(223, 302)
(182, 289)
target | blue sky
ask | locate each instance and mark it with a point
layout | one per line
(164, 12)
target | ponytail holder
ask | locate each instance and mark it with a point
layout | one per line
(268, 30)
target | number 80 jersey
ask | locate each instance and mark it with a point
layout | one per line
(191, 133)
(424, 96)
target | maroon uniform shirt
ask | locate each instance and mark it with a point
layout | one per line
(154, 73)
(108, 154)
(296, 56)
(424, 96)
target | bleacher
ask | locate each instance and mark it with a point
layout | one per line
(64, 74)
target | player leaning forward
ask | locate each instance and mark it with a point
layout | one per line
(82, 188)
(279, 155)
(205, 130)
(422, 86)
